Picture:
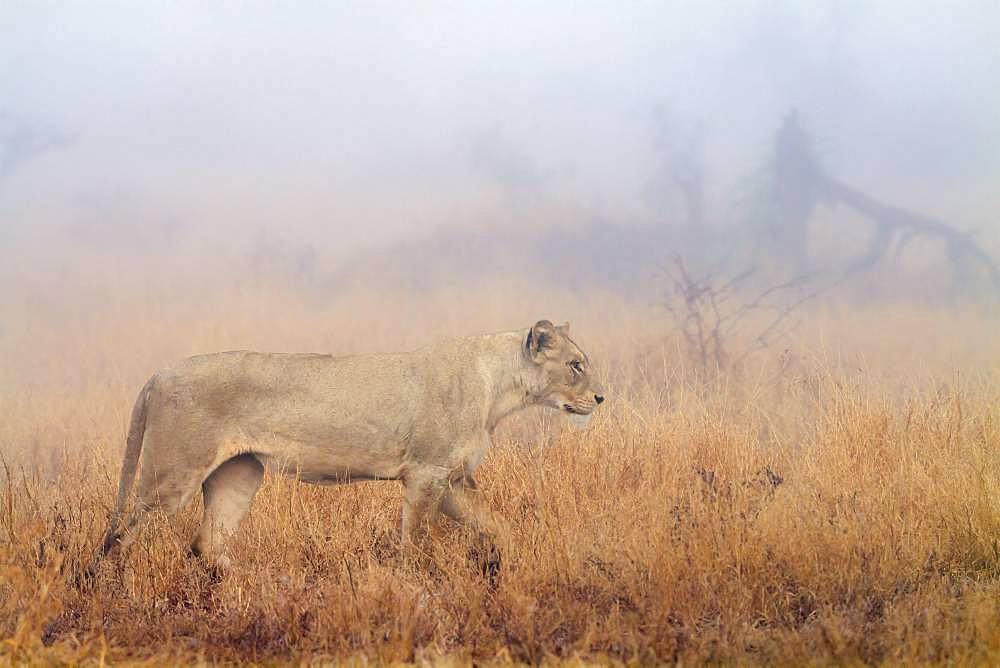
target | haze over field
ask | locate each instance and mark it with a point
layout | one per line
(773, 226)
(346, 125)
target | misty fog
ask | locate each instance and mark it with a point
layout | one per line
(313, 132)
(774, 226)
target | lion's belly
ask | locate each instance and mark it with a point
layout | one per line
(329, 454)
(325, 474)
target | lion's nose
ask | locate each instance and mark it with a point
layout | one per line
(599, 398)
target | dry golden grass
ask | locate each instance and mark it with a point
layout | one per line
(817, 507)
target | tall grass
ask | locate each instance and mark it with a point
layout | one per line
(835, 501)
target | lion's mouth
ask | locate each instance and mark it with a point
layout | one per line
(572, 410)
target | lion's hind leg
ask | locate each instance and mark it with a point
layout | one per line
(115, 540)
(164, 493)
(229, 491)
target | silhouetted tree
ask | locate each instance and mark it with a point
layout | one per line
(799, 184)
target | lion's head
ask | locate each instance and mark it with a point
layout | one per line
(561, 375)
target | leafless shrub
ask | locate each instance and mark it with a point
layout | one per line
(723, 320)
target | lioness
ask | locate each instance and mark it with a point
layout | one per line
(424, 418)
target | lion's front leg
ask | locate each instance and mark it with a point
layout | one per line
(422, 498)
(464, 503)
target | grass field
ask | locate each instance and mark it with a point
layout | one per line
(836, 499)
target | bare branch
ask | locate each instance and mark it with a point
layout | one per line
(707, 312)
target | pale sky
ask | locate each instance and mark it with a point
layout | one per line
(372, 118)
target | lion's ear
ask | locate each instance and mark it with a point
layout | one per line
(564, 328)
(540, 338)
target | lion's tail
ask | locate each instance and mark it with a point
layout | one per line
(130, 463)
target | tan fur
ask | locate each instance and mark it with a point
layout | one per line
(425, 418)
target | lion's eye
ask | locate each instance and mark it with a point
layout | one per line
(576, 367)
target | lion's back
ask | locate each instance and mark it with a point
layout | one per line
(235, 383)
